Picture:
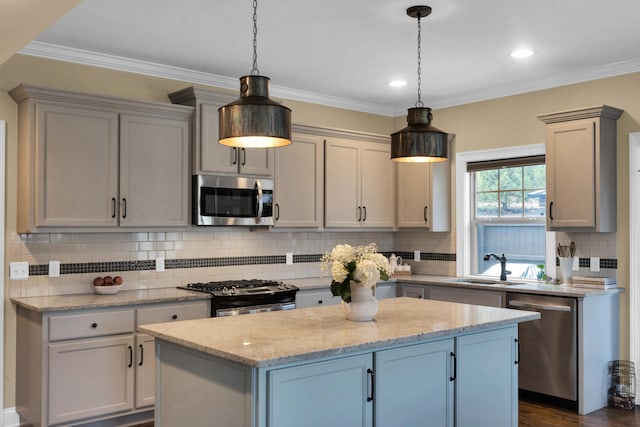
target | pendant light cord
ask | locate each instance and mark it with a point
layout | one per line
(419, 103)
(254, 70)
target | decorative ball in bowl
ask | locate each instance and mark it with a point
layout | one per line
(107, 285)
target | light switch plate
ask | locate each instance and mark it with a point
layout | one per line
(289, 258)
(595, 263)
(54, 268)
(19, 270)
(160, 263)
(576, 264)
(416, 256)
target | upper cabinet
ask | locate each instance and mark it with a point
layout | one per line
(210, 157)
(424, 195)
(298, 184)
(581, 169)
(359, 184)
(89, 162)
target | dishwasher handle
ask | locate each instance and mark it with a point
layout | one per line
(548, 307)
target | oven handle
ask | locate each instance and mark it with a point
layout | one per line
(548, 307)
(255, 309)
(260, 202)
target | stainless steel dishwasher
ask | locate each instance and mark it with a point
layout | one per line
(548, 348)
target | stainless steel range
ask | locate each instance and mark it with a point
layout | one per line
(234, 297)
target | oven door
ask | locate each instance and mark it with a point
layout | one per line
(235, 311)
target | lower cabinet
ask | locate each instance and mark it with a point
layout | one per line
(79, 366)
(468, 380)
(452, 294)
(322, 296)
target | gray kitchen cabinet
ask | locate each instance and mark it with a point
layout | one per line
(79, 366)
(581, 169)
(424, 195)
(210, 157)
(88, 162)
(495, 298)
(322, 296)
(359, 185)
(412, 291)
(298, 183)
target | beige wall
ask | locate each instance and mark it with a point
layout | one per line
(497, 123)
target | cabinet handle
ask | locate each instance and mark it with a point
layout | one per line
(320, 301)
(371, 387)
(364, 208)
(141, 355)
(130, 356)
(359, 214)
(454, 364)
(244, 156)
(113, 207)
(124, 207)
(517, 361)
(277, 211)
(426, 218)
(174, 317)
(551, 211)
(235, 156)
(94, 325)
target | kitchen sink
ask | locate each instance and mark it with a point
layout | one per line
(478, 281)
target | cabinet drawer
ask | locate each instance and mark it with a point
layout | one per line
(314, 298)
(91, 324)
(171, 312)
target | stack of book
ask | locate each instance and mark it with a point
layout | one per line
(594, 282)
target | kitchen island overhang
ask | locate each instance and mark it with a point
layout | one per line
(417, 360)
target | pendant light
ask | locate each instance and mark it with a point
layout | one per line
(419, 142)
(254, 120)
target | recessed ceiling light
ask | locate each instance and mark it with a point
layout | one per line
(521, 53)
(397, 83)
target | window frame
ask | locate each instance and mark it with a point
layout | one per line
(463, 204)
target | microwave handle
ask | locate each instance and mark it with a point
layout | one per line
(260, 201)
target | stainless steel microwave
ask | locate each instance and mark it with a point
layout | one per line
(232, 200)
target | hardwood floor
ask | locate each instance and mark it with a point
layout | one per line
(532, 414)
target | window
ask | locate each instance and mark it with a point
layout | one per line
(508, 200)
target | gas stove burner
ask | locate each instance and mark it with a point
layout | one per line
(240, 287)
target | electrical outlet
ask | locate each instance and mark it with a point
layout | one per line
(289, 258)
(18, 270)
(576, 264)
(416, 256)
(160, 263)
(54, 268)
(595, 263)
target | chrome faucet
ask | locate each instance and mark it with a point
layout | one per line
(503, 265)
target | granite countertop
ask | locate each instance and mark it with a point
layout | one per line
(276, 338)
(80, 301)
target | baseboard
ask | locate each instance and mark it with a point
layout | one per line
(10, 418)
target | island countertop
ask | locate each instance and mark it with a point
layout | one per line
(276, 338)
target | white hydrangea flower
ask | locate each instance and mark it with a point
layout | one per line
(339, 272)
(366, 273)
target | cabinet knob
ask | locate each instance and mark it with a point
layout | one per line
(94, 325)
(320, 301)
(174, 317)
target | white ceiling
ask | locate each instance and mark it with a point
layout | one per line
(344, 52)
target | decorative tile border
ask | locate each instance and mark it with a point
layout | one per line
(586, 262)
(114, 266)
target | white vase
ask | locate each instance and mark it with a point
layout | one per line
(363, 306)
(566, 269)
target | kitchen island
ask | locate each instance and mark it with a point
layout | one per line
(419, 360)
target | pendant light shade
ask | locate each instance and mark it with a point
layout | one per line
(419, 142)
(254, 120)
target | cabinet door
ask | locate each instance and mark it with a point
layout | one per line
(256, 161)
(487, 379)
(90, 378)
(332, 393)
(378, 186)
(413, 194)
(298, 183)
(214, 157)
(145, 370)
(570, 160)
(154, 171)
(76, 167)
(342, 206)
(414, 386)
